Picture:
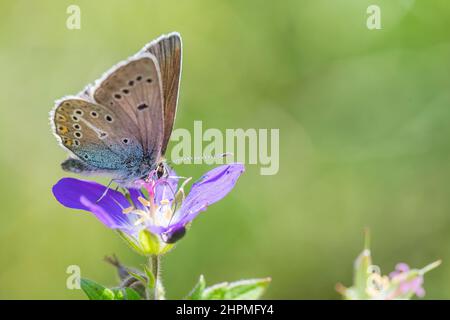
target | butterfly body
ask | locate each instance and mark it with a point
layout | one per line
(120, 125)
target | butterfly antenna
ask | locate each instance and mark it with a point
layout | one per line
(106, 191)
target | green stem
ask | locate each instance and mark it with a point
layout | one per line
(155, 264)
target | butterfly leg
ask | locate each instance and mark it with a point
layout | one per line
(106, 191)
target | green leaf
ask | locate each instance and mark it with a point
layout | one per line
(132, 294)
(137, 276)
(125, 294)
(128, 240)
(150, 277)
(96, 291)
(215, 292)
(197, 292)
(251, 289)
(247, 289)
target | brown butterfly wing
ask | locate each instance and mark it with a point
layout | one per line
(96, 135)
(134, 90)
(168, 51)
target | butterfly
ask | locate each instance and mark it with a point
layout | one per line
(120, 125)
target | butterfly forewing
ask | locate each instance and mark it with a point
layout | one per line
(134, 90)
(168, 52)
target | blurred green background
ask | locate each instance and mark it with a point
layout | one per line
(364, 139)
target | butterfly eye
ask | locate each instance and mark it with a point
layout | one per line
(94, 114)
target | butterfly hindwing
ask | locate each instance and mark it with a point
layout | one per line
(96, 135)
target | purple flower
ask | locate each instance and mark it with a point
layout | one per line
(407, 284)
(164, 212)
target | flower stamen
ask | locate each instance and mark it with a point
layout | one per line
(168, 214)
(144, 201)
(128, 210)
(139, 221)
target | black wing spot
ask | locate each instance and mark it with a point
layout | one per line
(117, 96)
(108, 118)
(149, 80)
(126, 91)
(138, 78)
(131, 83)
(142, 106)
(125, 140)
(86, 156)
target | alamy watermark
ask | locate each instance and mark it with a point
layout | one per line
(74, 278)
(249, 146)
(73, 21)
(374, 19)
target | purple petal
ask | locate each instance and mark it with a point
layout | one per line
(116, 220)
(83, 195)
(168, 233)
(166, 188)
(416, 284)
(420, 292)
(212, 187)
(402, 267)
(413, 286)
